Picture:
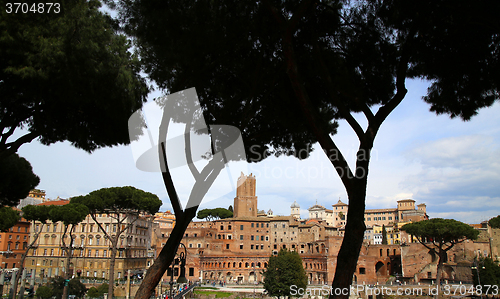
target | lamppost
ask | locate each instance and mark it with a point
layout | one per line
(476, 267)
(254, 279)
(182, 269)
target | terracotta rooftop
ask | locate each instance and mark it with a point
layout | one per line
(61, 202)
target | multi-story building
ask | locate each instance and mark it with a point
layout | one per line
(91, 249)
(13, 244)
(237, 249)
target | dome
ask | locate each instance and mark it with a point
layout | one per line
(295, 205)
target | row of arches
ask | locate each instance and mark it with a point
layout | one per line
(212, 265)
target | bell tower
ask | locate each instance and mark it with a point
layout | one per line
(245, 202)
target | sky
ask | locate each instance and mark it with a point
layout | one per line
(450, 165)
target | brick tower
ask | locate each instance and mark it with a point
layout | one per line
(245, 202)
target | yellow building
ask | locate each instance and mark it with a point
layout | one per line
(91, 250)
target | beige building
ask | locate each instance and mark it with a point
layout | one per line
(91, 250)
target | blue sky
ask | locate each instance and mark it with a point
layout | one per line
(450, 165)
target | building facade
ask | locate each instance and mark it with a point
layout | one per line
(91, 250)
(236, 250)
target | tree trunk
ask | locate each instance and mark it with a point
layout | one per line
(442, 259)
(111, 285)
(166, 256)
(347, 258)
(67, 274)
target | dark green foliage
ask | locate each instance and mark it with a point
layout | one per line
(75, 287)
(441, 231)
(124, 199)
(283, 271)
(230, 209)
(103, 288)
(92, 293)
(37, 212)
(69, 214)
(495, 222)
(214, 214)
(8, 218)
(384, 235)
(98, 292)
(44, 292)
(66, 76)
(16, 179)
(489, 272)
(456, 47)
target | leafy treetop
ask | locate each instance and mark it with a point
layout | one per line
(214, 214)
(283, 271)
(120, 199)
(69, 214)
(441, 231)
(37, 212)
(16, 179)
(66, 76)
(8, 218)
(495, 222)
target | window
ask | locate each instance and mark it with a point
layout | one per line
(241, 227)
(44, 252)
(241, 246)
(191, 272)
(105, 253)
(83, 227)
(90, 253)
(97, 253)
(227, 246)
(241, 237)
(229, 227)
(251, 225)
(251, 238)
(362, 271)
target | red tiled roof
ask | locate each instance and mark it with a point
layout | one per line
(55, 203)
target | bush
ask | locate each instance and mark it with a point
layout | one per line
(93, 292)
(44, 292)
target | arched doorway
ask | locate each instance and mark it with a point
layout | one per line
(380, 269)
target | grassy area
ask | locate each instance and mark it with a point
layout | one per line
(205, 288)
(217, 294)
